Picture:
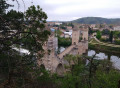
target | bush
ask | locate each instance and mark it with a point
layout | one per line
(98, 36)
(104, 40)
(117, 42)
(64, 42)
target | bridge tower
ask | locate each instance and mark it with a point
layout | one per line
(85, 33)
(75, 37)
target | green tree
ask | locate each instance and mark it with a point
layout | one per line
(105, 32)
(90, 31)
(58, 32)
(117, 42)
(93, 75)
(71, 24)
(98, 36)
(65, 42)
(3, 6)
(116, 34)
(111, 37)
(18, 69)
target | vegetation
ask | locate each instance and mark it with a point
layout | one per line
(62, 27)
(110, 49)
(64, 24)
(111, 37)
(55, 25)
(90, 31)
(58, 32)
(17, 69)
(96, 74)
(21, 70)
(116, 34)
(65, 42)
(71, 24)
(104, 40)
(117, 42)
(106, 32)
(111, 34)
(98, 36)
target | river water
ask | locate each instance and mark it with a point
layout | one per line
(115, 59)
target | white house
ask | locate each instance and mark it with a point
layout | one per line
(68, 34)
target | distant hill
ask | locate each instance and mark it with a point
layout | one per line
(96, 20)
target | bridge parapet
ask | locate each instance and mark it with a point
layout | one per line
(66, 51)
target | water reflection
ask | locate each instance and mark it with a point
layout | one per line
(101, 55)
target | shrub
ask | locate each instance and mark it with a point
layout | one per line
(98, 36)
(117, 42)
(104, 39)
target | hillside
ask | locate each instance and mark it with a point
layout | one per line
(96, 20)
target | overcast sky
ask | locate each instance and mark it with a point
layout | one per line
(66, 10)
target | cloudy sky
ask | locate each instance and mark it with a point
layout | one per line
(66, 10)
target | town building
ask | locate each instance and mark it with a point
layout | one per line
(68, 34)
(116, 28)
(58, 23)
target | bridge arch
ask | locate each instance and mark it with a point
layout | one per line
(60, 69)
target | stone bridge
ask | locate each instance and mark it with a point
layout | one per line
(55, 62)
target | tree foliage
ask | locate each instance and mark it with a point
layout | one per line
(105, 32)
(116, 34)
(20, 31)
(90, 31)
(98, 36)
(111, 37)
(96, 74)
(65, 42)
(117, 42)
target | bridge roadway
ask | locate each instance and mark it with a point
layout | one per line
(82, 44)
(66, 51)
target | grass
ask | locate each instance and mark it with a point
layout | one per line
(111, 48)
(93, 41)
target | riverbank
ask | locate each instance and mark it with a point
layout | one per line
(106, 47)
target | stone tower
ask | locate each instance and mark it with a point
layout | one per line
(85, 33)
(75, 37)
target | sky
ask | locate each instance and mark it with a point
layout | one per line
(67, 10)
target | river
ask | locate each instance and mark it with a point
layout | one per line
(115, 59)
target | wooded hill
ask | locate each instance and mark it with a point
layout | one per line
(97, 20)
